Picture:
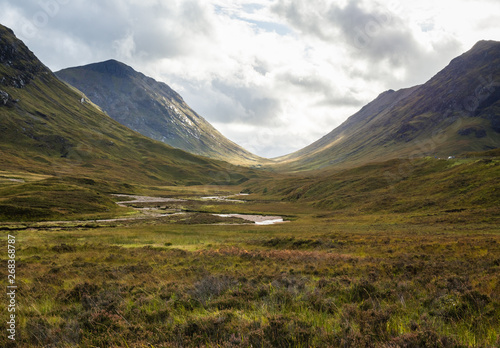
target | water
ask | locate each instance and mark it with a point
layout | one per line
(257, 219)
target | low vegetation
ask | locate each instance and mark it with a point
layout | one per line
(310, 283)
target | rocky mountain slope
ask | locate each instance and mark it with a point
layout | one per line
(457, 111)
(153, 109)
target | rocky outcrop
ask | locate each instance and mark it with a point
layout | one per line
(19, 65)
(6, 99)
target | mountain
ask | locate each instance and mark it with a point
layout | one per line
(153, 109)
(46, 128)
(456, 111)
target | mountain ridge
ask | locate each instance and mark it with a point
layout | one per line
(456, 111)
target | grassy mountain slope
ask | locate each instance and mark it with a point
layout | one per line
(153, 109)
(423, 186)
(456, 111)
(45, 129)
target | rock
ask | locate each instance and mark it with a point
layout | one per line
(4, 98)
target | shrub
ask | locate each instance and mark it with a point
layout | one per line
(211, 287)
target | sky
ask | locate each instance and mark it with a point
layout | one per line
(271, 75)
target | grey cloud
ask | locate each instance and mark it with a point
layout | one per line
(304, 16)
(321, 85)
(336, 100)
(255, 107)
(491, 22)
(224, 103)
(167, 30)
(163, 30)
(373, 34)
(376, 33)
(261, 67)
(98, 22)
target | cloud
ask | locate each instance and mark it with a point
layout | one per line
(236, 105)
(259, 107)
(156, 29)
(125, 47)
(321, 89)
(377, 33)
(371, 32)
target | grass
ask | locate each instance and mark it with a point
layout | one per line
(55, 199)
(369, 282)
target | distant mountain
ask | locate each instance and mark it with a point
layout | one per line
(46, 127)
(457, 111)
(153, 109)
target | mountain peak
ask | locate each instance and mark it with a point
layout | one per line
(456, 111)
(49, 131)
(482, 53)
(112, 67)
(484, 44)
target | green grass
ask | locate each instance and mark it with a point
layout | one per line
(56, 199)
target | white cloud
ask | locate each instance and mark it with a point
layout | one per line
(125, 47)
(272, 75)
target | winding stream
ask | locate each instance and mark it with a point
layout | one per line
(150, 212)
(257, 219)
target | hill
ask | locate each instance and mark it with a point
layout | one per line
(153, 109)
(463, 189)
(457, 111)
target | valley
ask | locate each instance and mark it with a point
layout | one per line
(384, 233)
